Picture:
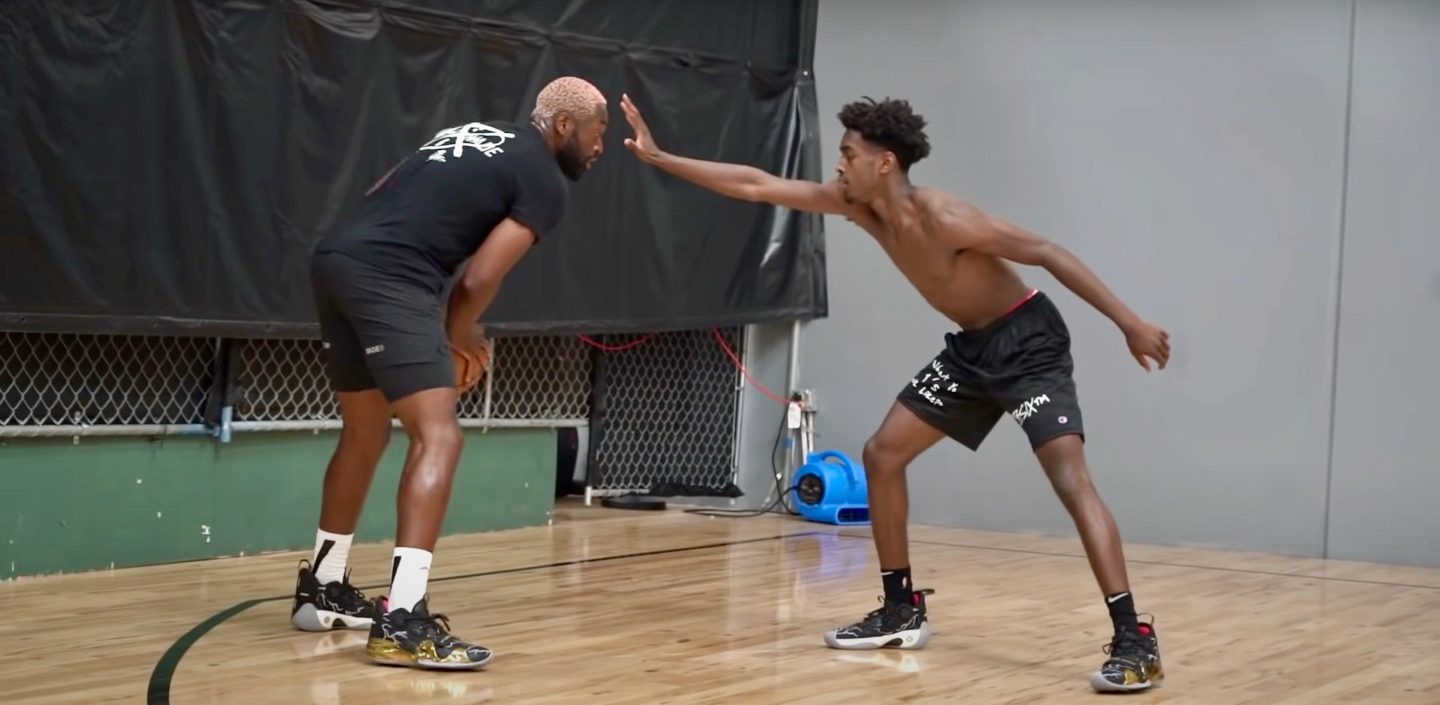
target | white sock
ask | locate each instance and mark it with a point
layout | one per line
(409, 579)
(332, 553)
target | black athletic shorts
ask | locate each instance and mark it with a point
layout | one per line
(379, 331)
(1019, 365)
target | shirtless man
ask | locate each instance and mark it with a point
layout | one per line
(1011, 354)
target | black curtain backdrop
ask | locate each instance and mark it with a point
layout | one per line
(166, 167)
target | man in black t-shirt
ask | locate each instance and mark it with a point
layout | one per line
(486, 191)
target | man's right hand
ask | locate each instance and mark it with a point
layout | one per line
(471, 351)
(470, 366)
(741, 181)
(642, 144)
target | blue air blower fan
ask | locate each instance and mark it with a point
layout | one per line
(831, 489)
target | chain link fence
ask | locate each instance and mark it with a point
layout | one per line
(536, 378)
(665, 422)
(542, 381)
(671, 410)
(282, 381)
(89, 384)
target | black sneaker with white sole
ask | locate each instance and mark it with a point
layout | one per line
(1134, 662)
(337, 605)
(896, 625)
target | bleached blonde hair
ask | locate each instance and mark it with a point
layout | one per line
(568, 94)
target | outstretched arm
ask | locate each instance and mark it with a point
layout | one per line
(974, 229)
(738, 181)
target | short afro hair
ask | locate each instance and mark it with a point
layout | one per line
(568, 94)
(890, 124)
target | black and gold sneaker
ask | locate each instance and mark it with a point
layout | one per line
(419, 639)
(1134, 662)
(895, 625)
(337, 605)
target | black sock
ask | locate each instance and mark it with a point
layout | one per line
(897, 585)
(1122, 612)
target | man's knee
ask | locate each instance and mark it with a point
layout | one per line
(440, 436)
(429, 420)
(1070, 482)
(365, 422)
(882, 458)
(1064, 464)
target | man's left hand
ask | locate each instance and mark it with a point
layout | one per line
(1148, 341)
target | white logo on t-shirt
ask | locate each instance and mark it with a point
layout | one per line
(475, 135)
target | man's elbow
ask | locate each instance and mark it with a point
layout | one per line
(1049, 255)
(476, 285)
(752, 191)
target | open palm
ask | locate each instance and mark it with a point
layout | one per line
(642, 144)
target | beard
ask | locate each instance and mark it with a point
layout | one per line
(572, 162)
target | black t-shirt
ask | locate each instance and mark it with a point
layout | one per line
(443, 200)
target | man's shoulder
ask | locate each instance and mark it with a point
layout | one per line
(943, 208)
(934, 200)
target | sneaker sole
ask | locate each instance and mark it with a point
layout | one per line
(431, 665)
(309, 618)
(1102, 685)
(908, 639)
(400, 659)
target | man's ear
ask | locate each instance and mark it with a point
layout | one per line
(888, 162)
(564, 124)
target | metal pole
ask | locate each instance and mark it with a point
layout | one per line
(746, 355)
(490, 378)
(102, 430)
(792, 375)
(792, 381)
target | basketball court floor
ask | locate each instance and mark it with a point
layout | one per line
(610, 607)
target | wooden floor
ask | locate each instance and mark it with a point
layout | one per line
(608, 607)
